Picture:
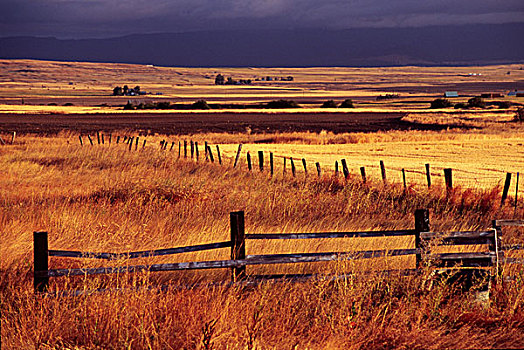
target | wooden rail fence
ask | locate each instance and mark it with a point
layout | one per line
(424, 239)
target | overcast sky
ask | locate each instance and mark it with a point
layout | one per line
(107, 18)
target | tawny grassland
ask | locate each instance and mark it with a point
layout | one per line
(105, 198)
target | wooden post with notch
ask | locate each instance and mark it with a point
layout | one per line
(237, 156)
(421, 225)
(261, 160)
(506, 188)
(41, 263)
(383, 171)
(238, 244)
(428, 175)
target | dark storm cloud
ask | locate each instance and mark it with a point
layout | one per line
(99, 18)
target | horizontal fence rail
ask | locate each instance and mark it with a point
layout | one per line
(423, 237)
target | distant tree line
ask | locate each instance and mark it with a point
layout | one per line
(474, 102)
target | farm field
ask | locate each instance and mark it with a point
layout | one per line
(113, 198)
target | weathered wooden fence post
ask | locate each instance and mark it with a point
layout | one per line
(345, 169)
(271, 167)
(261, 160)
(90, 140)
(238, 244)
(185, 148)
(144, 144)
(336, 168)
(516, 192)
(506, 188)
(102, 138)
(196, 151)
(110, 137)
(136, 143)
(118, 139)
(179, 149)
(363, 173)
(404, 178)
(131, 143)
(98, 136)
(238, 155)
(192, 149)
(317, 164)
(219, 156)
(421, 225)
(13, 138)
(81, 142)
(304, 165)
(41, 264)
(428, 175)
(248, 157)
(448, 177)
(293, 169)
(205, 151)
(383, 171)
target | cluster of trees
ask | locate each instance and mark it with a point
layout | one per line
(474, 102)
(126, 91)
(345, 104)
(220, 80)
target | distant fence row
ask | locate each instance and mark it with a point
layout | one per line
(191, 149)
(488, 261)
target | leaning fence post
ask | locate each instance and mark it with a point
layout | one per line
(304, 165)
(506, 188)
(205, 151)
(261, 160)
(117, 140)
(383, 171)
(448, 177)
(271, 167)
(131, 143)
(238, 244)
(421, 225)
(98, 136)
(81, 142)
(90, 140)
(238, 155)
(144, 145)
(428, 175)
(102, 139)
(516, 193)
(293, 169)
(219, 156)
(345, 169)
(41, 264)
(210, 154)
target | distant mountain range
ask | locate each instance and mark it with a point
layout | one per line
(438, 45)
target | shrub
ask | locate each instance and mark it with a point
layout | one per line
(129, 106)
(519, 115)
(476, 102)
(117, 91)
(348, 103)
(282, 104)
(200, 104)
(329, 104)
(68, 104)
(504, 105)
(440, 103)
(461, 106)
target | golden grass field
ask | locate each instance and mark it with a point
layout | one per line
(107, 198)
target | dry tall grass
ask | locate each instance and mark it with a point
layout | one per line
(110, 199)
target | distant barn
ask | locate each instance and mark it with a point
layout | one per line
(451, 94)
